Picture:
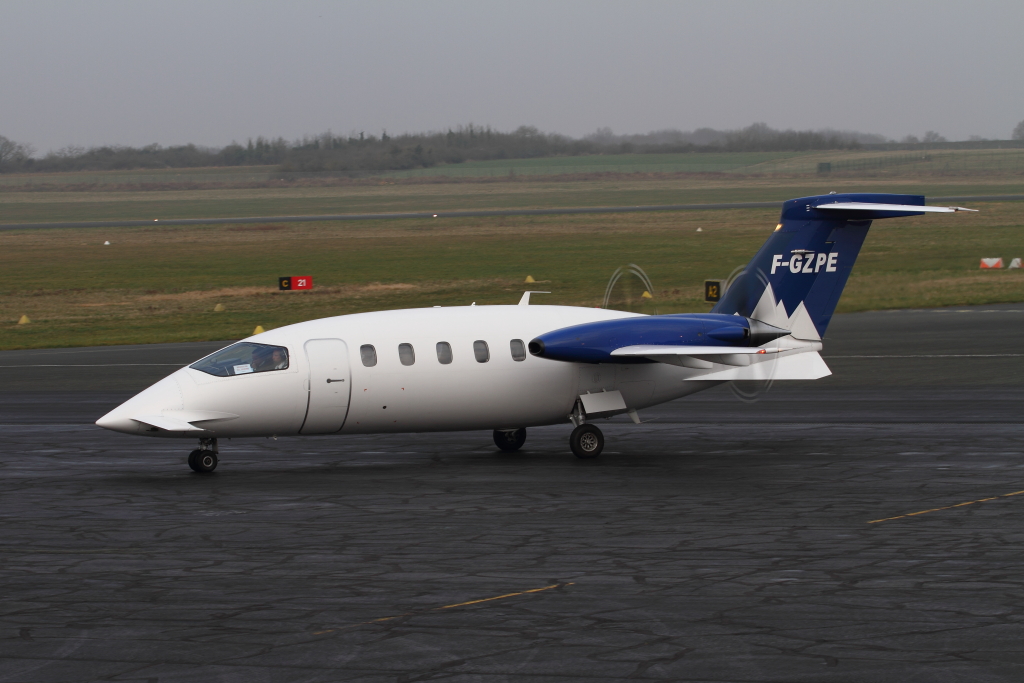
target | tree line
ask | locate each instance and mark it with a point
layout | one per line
(366, 154)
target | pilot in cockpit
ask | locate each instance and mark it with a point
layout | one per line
(265, 359)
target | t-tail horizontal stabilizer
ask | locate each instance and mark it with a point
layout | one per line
(795, 280)
(902, 209)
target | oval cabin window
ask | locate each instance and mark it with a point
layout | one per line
(406, 354)
(368, 354)
(480, 350)
(444, 353)
(518, 349)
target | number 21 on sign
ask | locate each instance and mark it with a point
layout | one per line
(295, 282)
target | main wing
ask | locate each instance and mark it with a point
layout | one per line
(790, 361)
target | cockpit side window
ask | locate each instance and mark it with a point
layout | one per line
(244, 358)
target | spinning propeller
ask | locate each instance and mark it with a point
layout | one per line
(629, 269)
(751, 391)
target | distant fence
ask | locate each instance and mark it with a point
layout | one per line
(951, 162)
(143, 177)
(933, 162)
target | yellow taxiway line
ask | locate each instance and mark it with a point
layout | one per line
(948, 507)
(437, 609)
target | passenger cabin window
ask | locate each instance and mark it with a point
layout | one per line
(406, 354)
(368, 354)
(444, 353)
(243, 359)
(481, 351)
(518, 349)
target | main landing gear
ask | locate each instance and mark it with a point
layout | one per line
(204, 458)
(586, 440)
(509, 440)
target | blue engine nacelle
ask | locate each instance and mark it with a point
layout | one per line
(594, 342)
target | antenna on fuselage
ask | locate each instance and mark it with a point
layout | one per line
(525, 301)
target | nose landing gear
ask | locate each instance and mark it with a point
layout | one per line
(204, 458)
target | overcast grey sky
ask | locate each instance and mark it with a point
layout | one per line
(101, 72)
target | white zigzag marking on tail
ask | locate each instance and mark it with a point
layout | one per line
(774, 313)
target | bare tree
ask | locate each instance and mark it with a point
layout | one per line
(1018, 131)
(13, 151)
(7, 149)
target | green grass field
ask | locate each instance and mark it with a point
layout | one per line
(387, 196)
(159, 283)
(727, 162)
(897, 164)
(735, 162)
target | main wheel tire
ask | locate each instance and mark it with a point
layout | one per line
(586, 441)
(206, 461)
(192, 460)
(509, 441)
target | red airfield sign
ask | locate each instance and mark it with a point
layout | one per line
(295, 282)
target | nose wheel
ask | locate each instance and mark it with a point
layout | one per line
(204, 458)
(586, 441)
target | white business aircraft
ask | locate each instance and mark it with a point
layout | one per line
(506, 368)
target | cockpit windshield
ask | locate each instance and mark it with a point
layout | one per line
(244, 358)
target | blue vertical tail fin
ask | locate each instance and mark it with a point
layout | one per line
(797, 277)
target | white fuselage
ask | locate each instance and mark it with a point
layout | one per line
(465, 394)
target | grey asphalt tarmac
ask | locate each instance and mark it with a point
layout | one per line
(722, 540)
(452, 214)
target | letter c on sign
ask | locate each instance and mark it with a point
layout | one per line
(795, 261)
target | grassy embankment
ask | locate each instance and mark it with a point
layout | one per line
(161, 283)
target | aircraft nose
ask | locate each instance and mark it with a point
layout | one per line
(116, 421)
(164, 395)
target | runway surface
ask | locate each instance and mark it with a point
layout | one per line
(720, 541)
(476, 213)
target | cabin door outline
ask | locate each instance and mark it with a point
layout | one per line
(330, 386)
